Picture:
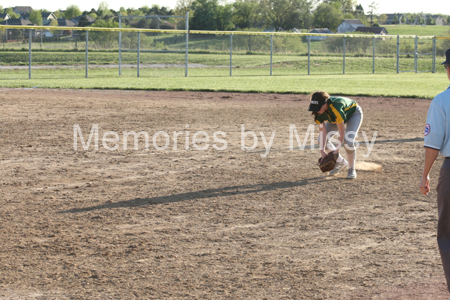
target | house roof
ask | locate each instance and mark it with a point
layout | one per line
(22, 9)
(45, 15)
(353, 21)
(321, 30)
(391, 16)
(77, 19)
(4, 16)
(375, 30)
(65, 22)
(17, 22)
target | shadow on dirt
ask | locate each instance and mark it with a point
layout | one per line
(209, 193)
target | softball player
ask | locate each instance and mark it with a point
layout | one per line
(437, 139)
(331, 114)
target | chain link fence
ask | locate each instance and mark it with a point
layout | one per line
(161, 48)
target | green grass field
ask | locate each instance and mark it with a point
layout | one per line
(428, 30)
(422, 85)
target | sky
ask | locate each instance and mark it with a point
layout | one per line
(384, 6)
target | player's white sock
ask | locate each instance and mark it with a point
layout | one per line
(351, 157)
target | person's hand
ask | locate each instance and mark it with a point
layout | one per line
(425, 184)
(323, 153)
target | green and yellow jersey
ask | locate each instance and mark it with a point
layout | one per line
(340, 109)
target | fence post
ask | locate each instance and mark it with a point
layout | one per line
(138, 52)
(434, 54)
(343, 62)
(87, 43)
(309, 54)
(398, 54)
(271, 53)
(416, 53)
(187, 45)
(120, 44)
(373, 63)
(29, 53)
(231, 53)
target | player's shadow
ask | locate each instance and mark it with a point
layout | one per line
(205, 194)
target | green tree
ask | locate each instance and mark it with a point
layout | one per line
(420, 20)
(372, 8)
(107, 39)
(284, 14)
(327, 16)
(103, 10)
(403, 20)
(11, 13)
(448, 19)
(72, 11)
(182, 7)
(210, 15)
(245, 14)
(382, 18)
(53, 23)
(123, 11)
(345, 5)
(58, 14)
(36, 17)
(143, 23)
(359, 10)
(349, 16)
(395, 19)
(83, 21)
(225, 17)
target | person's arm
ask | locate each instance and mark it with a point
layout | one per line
(341, 130)
(322, 139)
(430, 157)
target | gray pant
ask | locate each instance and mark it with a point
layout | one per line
(353, 125)
(443, 228)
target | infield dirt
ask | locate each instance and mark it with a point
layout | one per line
(212, 224)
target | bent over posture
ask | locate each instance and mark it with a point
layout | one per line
(332, 114)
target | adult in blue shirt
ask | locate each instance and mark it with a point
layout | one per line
(437, 139)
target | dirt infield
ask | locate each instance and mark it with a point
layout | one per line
(210, 224)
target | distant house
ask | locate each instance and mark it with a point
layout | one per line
(322, 31)
(5, 17)
(417, 20)
(65, 23)
(372, 30)
(396, 19)
(62, 22)
(349, 25)
(17, 22)
(438, 20)
(17, 34)
(20, 10)
(89, 22)
(47, 18)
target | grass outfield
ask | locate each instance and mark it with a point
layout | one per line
(421, 85)
(429, 30)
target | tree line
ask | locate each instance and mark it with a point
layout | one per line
(273, 15)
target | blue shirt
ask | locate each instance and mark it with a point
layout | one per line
(437, 129)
